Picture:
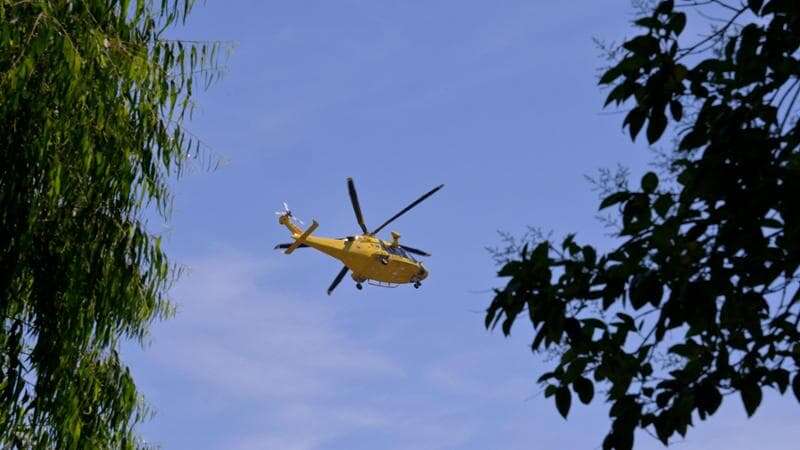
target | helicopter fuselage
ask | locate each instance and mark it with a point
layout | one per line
(368, 257)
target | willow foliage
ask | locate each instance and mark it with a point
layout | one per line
(91, 102)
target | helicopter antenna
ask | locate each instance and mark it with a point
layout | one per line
(407, 208)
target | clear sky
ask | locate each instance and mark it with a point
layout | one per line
(498, 100)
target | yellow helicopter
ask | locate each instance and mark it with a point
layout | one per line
(382, 263)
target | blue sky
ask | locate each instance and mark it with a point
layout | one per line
(498, 100)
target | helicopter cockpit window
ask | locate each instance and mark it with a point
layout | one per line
(398, 251)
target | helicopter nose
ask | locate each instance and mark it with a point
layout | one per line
(422, 274)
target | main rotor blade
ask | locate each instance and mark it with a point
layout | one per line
(405, 210)
(415, 251)
(285, 246)
(338, 279)
(351, 188)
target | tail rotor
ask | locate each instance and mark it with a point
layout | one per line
(288, 213)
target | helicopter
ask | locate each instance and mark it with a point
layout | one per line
(381, 263)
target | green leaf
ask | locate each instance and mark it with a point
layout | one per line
(124, 5)
(563, 401)
(649, 182)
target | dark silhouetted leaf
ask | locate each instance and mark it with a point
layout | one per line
(708, 398)
(645, 288)
(642, 45)
(610, 75)
(614, 198)
(665, 7)
(755, 6)
(619, 94)
(648, 22)
(676, 109)
(589, 255)
(656, 126)
(585, 389)
(649, 182)
(563, 401)
(693, 139)
(677, 23)
(781, 378)
(751, 395)
(634, 121)
(662, 204)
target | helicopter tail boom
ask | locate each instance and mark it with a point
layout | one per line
(286, 219)
(301, 239)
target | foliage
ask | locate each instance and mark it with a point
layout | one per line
(91, 103)
(700, 297)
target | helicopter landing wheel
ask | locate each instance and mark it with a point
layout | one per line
(417, 284)
(359, 286)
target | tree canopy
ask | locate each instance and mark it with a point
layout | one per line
(699, 298)
(92, 97)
